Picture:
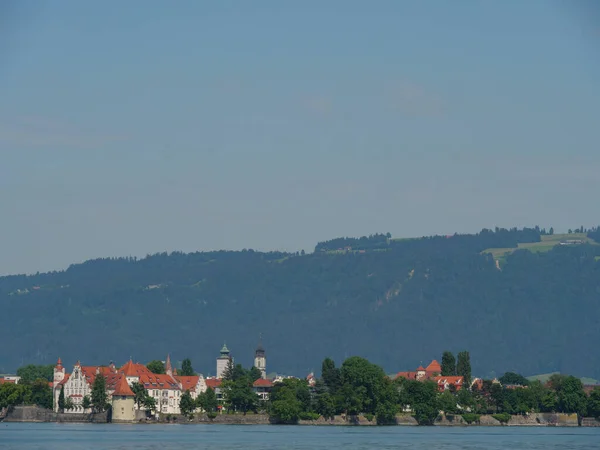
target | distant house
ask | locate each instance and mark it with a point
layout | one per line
(445, 383)
(262, 388)
(422, 373)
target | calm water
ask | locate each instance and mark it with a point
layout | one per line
(50, 436)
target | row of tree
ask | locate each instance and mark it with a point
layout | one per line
(359, 387)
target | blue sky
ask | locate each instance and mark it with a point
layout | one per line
(134, 127)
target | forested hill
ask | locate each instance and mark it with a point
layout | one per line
(396, 302)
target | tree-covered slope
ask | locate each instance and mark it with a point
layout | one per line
(396, 302)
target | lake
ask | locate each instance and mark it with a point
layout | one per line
(55, 436)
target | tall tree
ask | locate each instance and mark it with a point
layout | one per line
(330, 375)
(186, 404)
(32, 372)
(228, 374)
(186, 368)
(463, 367)
(140, 393)
(207, 400)
(86, 402)
(157, 367)
(61, 399)
(99, 396)
(448, 364)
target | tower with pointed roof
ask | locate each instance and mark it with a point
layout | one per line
(223, 361)
(168, 367)
(260, 359)
(59, 375)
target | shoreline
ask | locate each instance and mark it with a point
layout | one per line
(33, 414)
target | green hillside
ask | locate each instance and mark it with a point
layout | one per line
(395, 302)
(547, 243)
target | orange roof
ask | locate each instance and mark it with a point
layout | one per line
(421, 369)
(434, 367)
(261, 382)
(131, 369)
(188, 383)
(153, 381)
(3, 381)
(213, 383)
(450, 380)
(122, 388)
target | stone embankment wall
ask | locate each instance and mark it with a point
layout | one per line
(37, 414)
(590, 422)
(536, 419)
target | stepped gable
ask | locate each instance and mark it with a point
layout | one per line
(122, 388)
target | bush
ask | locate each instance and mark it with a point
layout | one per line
(471, 418)
(503, 418)
(369, 417)
(308, 416)
(211, 415)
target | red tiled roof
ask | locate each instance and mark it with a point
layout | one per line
(131, 369)
(153, 381)
(213, 383)
(3, 381)
(261, 382)
(421, 368)
(434, 367)
(188, 383)
(122, 388)
(457, 381)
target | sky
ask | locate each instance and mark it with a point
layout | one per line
(130, 128)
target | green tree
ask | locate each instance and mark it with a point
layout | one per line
(330, 375)
(32, 372)
(593, 403)
(285, 404)
(61, 399)
(326, 405)
(571, 396)
(448, 364)
(187, 404)
(186, 368)
(99, 397)
(229, 372)
(86, 402)
(465, 399)
(255, 373)
(41, 393)
(157, 367)
(463, 367)
(447, 402)
(362, 383)
(140, 393)
(511, 378)
(238, 394)
(207, 400)
(149, 403)
(70, 405)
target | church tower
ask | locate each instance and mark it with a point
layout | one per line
(59, 375)
(223, 361)
(260, 360)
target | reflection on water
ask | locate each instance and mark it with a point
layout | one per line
(50, 436)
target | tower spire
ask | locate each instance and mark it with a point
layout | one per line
(168, 368)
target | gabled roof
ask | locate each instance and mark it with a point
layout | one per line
(188, 383)
(434, 367)
(421, 369)
(457, 381)
(261, 382)
(153, 381)
(131, 369)
(122, 388)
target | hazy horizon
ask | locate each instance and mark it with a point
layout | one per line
(134, 128)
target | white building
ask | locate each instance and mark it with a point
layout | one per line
(223, 361)
(260, 360)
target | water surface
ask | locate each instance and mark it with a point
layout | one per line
(55, 436)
